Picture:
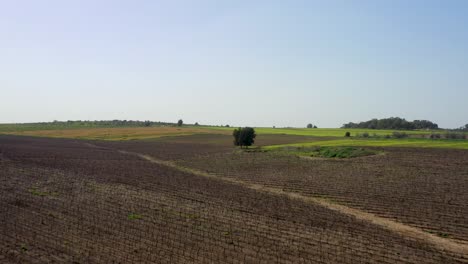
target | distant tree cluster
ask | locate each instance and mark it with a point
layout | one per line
(311, 126)
(455, 135)
(399, 135)
(393, 123)
(463, 128)
(244, 136)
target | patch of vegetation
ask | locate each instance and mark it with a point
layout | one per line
(189, 216)
(244, 136)
(399, 135)
(52, 215)
(342, 152)
(134, 216)
(440, 234)
(395, 134)
(381, 142)
(444, 235)
(454, 135)
(36, 192)
(363, 135)
(330, 152)
(24, 248)
(393, 123)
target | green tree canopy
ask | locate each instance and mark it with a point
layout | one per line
(244, 136)
(393, 123)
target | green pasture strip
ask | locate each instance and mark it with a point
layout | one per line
(420, 143)
(330, 132)
(325, 152)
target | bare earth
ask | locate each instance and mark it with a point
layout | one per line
(198, 201)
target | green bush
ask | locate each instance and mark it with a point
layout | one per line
(399, 135)
(453, 135)
(343, 152)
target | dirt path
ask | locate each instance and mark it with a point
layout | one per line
(444, 244)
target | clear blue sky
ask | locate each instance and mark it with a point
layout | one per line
(260, 63)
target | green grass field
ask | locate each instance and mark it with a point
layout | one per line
(407, 142)
(328, 132)
(339, 133)
(323, 152)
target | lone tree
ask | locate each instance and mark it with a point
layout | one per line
(180, 122)
(310, 126)
(244, 136)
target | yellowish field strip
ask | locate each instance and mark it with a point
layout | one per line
(120, 133)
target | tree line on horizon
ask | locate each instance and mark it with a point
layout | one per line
(463, 128)
(393, 123)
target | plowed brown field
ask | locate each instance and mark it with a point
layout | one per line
(71, 201)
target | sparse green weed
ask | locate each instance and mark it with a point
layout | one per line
(134, 216)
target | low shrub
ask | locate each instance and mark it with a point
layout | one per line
(399, 135)
(364, 135)
(342, 152)
(329, 152)
(453, 135)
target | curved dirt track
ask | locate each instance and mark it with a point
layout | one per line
(444, 244)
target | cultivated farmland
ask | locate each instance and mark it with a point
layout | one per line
(194, 198)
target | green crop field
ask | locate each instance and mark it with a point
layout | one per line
(335, 137)
(370, 142)
(330, 132)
